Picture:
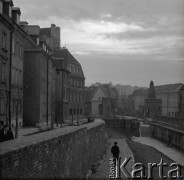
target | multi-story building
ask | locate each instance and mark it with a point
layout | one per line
(62, 90)
(6, 29)
(73, 85)
(15, 77)
(171, 96)
(39, 79)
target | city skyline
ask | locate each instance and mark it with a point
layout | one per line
(125, 42)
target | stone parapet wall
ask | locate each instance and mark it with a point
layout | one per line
(61, 153)
(169, 135)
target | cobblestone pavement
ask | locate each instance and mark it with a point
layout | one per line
(104, 167)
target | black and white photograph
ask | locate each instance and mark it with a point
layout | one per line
(92, 89)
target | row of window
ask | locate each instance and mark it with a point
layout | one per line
(76, 82)
(75, 70)
(76, 111)
(76, 97)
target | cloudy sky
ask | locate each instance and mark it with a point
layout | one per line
(122, 41)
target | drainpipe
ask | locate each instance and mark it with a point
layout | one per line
(62, 98)
(11, 37)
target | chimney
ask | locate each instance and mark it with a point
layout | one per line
(23, 23)
(7, 7)
(16, 15)
(1, 6)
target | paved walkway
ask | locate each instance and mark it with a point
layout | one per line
(104, 167)
(172, 153)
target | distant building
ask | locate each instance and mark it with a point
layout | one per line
(39, 79)
(172, 96)
(123, 93)
(100, 101)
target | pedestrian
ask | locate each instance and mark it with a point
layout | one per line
(89, 119)
(115, 151)
(1, 131)
(8, 134)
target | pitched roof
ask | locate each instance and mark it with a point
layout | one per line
(64, 53)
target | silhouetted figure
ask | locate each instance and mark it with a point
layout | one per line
(1, 131)
(89, 120)
(115, 151)
(8, 134)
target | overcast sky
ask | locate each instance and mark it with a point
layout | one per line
(122, 41)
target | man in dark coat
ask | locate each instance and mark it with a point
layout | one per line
(115, 151)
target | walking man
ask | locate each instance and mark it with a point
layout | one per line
(115, 151)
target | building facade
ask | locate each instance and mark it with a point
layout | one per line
(101, 101)
(39, 80)
(13, 43)
(73, 86)
(171, 96)
(6, 30)
(62, 91)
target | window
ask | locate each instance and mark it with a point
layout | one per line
(17, 48)
(4, 40)
(80, 111)
(3, 73)
(70, 111)
(3, 105)
(77, 111)
(20, 50)
(74, 111)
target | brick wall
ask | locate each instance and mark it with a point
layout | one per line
(61, 153)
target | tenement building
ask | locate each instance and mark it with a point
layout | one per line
(172, 96)
(12, 70)
(39, 79)
(73, 86)
(6, 29)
